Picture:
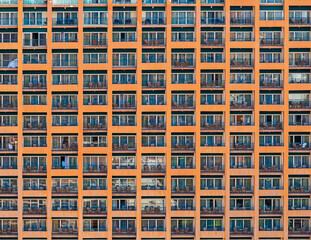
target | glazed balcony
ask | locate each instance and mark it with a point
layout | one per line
(8, 189)
(271, 84)
(267, 211)
(94, 168)
(124, 189)
(241, 20)
(64, 143)
(65, 63)
(65, 2)
(34, 42)
(8, 22)
(210, 42)
(183, 37)
(271, 41)
(212, 21)
(154, 21)
(124, 105)
(11, 63)
(300, 79)
(91, 184)
(65, 227)
(153, 58)
(65, 21)
(35, 125)
(35, 168)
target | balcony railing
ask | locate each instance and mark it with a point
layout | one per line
(34, 42)
(299, 62)
(187, 189)
(154, 42)
(271, 1)
(300, 21)
(299, 230)
(95, 43)
(270, 126)
(212, 42)
(127, 21)
(183, 147)
(33, 2)
(153, 84)
(183, 63)
(154, 169)
(183, 105)
(64, 21)
(241, 21)
(35, 210)
(242, 63)
(271, 42)
(94, 210)
(30, 169)
(35, 21)
(244, 105)
(127, 105)
(183, 231)
(213, 21)
(124, 1)
(35, 126)
(212, 210)
(266, 210)
(9, 2)
(241, 189)
(154, 126)
(95, 1)
(98, 126)
(273, 168)
(154, 21)
(183, 21)
(183, 1)
(212, 126)
(64, 2)
(241, 166)
(212, 1)
(299, 146)
(153, 210)
(274, 84)
(123, 147)
(212, 168)
(302, 104)
(124, 189)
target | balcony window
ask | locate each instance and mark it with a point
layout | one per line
(153, 57)
(182, 204)
(34, 206)
(153, 80)
(65, 185)
(94, 99)
(7, 37)
(299, 17)
(94, 39)
(270, 80)
(298, 225)
(270, 224)
(211, 99)
(182, 226)
(241, 60)
(123, 204)
(124, 18)
(244, 78)
(299, 59)
(270, 121)
(153, 225)
(64, 60)
(8, 226)
(120, 226)
(34, 141)
(300, 100)
(8, 60)
(65, 18)
(125, 185)
(94, 141)
(241, 17)
(153, 38)
(212, 18)
(271, 57)
(95, 18)
(150, 206)
(124, 36)
(299, 35)
(8, 162)
(8, 120)
(8, 79)
(123, 120)
(183, 78)
(94, 122)
(64, 204)
(34, 39)
(153, 184)
(212, 57)
(267, 183)
(94, 206)
(8, 18)
(64, 101)
(124, 78)
(62, 143)
(8, 143)
(123, 162)
(271, 1)
(124, 142)
(211, 140)
(34, 164)
(65, 226)
(34, 122)
(58, 37)
(34, 58)
(210, 80)
(270, 15)
(240, 204)
(34, 224)
(182, 162)
(211, 224)
(269, 162)
(183, 18)
(34, 81)
(238, 226)
(211, 205)
(64, 79)
(95, 184)
(154, 1)
(183, 120)
(211, 163)
(182, 185)
(301, 142)
(64, 120)
(241, 36)
(8, 185)
(64, 162)
(183, 59)
(124, 59)
(154, 18)
(299, 161)
(211, 122)
(8, 204)
(240, 184)
(153, 122)
(32, 184)
(153, 141)
(153, 164)
(183, 100)
(95, 58)
(34, 100)
(153, 99)
(94, 81)
(241, 119)
(241, 162)
(270, 99)
(183, 36)
(268, 38)
(94, 225)
(270, 140)
(298, 184)
(211, 183)
(298, 203)
(35, 18)
(94, 164)
(212, 38)
(269, 205)
(240, 142)
(299, 78)
(182, 142)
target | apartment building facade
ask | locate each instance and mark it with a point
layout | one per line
(155, 119)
